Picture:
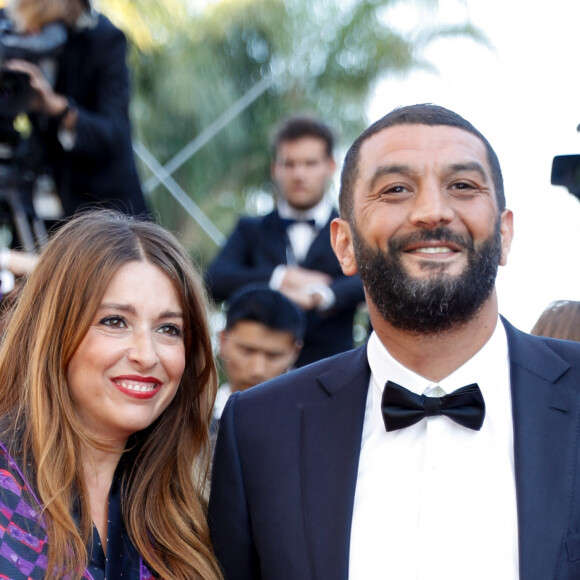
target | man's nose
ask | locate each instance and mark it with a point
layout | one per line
(431, 207)
(257, 367)
(298, 170)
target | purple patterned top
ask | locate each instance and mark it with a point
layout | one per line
(24, 543)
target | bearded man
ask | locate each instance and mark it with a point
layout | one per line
(447, 446)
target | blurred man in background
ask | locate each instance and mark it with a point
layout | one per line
(289, 249)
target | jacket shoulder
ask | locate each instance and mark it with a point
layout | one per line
(548, 358)
(319, 379)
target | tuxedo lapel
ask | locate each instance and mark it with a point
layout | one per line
(275, 239)
(321, 244)
(545, 445)
(330, 444)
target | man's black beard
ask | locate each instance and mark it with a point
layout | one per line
(435, 303)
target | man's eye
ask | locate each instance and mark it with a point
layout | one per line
(113, 321)
(170, 330)
(462, 185)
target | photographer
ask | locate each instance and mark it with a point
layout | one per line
(81, 122)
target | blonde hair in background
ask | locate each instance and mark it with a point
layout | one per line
(32, 15)
(164, 501)
(560, 320)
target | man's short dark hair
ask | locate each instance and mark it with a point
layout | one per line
(259, 303)
(299, 126)
(425, 114)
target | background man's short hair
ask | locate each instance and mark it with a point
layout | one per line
(259, 303)
(299, 126)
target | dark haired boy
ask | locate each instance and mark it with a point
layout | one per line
(261, 340)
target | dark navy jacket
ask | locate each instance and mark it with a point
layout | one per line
(256, 247)
(287, 455)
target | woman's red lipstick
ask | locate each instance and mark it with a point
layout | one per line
(136, 386)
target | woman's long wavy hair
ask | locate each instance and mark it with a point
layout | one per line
(165, 479)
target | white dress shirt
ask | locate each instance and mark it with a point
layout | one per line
(300, 238)
(301, 235)
(437, 501)
(221, 398)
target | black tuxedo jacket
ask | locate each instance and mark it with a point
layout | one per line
(252, 252)
(100, 169)
(287, 456)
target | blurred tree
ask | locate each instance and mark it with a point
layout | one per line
(194, 60)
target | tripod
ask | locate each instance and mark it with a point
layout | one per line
(15, 183)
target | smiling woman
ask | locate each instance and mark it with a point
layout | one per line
(107, 382)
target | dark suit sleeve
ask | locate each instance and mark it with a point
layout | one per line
(348, 291)
(236, 265)
(229, 518)
(103, 124)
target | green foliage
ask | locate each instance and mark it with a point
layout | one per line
(322, 58)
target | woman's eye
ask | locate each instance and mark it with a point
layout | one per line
(171, 330)
(113, 322)
(396, 189)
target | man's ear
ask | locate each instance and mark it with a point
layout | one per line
(298, 344)
(331, 166)
(223, 342)
(507, 234)
(341, 240)
(273, 170)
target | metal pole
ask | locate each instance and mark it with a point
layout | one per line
(179, 194)
(210, 131)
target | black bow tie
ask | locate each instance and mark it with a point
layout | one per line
(287, 222)
(402, 408)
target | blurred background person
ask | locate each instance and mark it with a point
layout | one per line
(19, 263)
(561, 319)
(13, 266)
(80, 121)
(290, 248)
(107, 382)
(261, 340)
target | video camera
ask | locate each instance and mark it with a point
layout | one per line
(18, 167)
(41, 49)
(566, 172)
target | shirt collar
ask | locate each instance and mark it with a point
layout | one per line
(480, 368)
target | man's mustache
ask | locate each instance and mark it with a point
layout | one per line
(440, 234)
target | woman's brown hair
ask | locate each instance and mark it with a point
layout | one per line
(166, 464)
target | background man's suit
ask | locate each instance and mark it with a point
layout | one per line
(286, 464)
(256, 247)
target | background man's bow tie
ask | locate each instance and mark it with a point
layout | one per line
(287, 222)
(402, 408)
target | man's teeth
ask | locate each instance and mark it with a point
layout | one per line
(140, 388)
(437, 250)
